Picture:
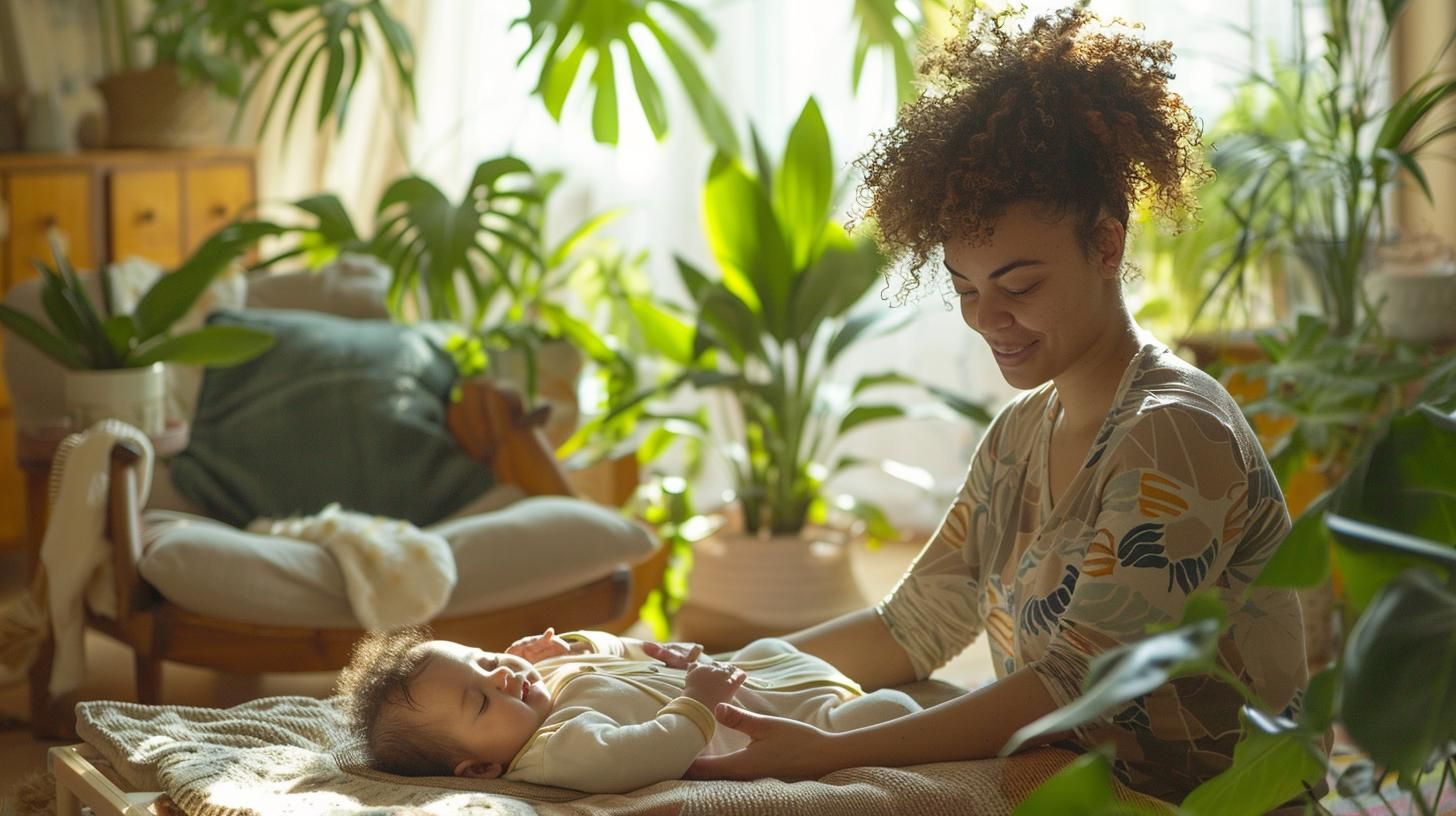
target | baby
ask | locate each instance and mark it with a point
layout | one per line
(584, 710)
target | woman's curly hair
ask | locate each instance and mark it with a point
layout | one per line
(1078, 119)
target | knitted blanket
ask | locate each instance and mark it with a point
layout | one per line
(295, 755)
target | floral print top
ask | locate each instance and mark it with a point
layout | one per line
(1175, 496)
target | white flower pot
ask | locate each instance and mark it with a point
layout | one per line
(136, 396)
(1419, 308)
(742, 586)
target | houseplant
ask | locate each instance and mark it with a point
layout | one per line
(1310, 156)
(483, 263)
(770, 328)
(115, 361)
(201, 46)
(568, 33)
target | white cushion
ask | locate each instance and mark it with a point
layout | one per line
(528, 550)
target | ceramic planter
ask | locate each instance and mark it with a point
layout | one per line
(136, 396)
(743, 587)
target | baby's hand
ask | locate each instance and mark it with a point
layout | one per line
(674, 655)
(536, 648)
(713, 683)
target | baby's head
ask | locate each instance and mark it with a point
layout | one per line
(435, 707)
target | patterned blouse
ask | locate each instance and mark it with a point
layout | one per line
(1175, 496)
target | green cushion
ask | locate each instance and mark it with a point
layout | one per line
(338, 410)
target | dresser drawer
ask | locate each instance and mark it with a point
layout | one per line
(39, 203)
(146, 217)
(215, 195)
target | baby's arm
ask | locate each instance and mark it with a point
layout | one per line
(677, 655)
(594, 753)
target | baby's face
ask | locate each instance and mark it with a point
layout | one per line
(490, 703)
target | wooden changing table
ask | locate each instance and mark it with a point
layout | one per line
(85, 780)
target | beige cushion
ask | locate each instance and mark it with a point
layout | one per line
(353, 286)
(527, 550)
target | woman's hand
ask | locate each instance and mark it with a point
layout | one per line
(780, 748)
(535, 648)
(674, 655)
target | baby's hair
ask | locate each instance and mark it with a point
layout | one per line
(376, 685)
(1064, 114)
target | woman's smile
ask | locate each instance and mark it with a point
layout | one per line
(1010, 356)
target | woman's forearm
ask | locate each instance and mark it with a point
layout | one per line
(974, 726)
(859, 645)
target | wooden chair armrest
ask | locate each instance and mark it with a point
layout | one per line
(124, 529)
(491, 423)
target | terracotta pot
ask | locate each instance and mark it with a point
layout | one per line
(744, 587)
(155, 109)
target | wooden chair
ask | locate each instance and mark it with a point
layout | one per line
(492, 427)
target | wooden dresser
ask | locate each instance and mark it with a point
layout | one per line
(107, 206)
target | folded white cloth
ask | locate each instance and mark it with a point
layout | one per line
(394, 573)
(75, 551)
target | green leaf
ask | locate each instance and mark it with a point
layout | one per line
(662, 331)
(803, 184)
(173, 295)
(648, 94)
(1398, 680)
(863, 327)
(218, 346)
(1083, 786)
(745, 238)
(559, 76)
(1303, 559)
(862, 414)
(1318, 710)
(1127, 672)
(1272, 764)
(32, 332)
(120, 333)
(604, 110)
(705, 102)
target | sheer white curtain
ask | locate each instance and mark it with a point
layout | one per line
(771, 56)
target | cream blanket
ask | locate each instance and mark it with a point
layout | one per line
(294, 755)
(395, 574)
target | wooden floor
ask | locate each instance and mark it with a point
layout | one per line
(109, 670)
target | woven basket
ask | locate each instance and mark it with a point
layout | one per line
(154, 109)
(763, 585)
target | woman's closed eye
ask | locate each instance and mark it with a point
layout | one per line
(484, 703)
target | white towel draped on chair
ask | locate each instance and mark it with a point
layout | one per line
(75, 553)
(394, 573)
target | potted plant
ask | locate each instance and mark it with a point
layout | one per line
(769, 331)
(1311, 155)
(115, 362)
(206, 48)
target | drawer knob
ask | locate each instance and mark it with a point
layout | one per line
(218, 211)
(147, 216)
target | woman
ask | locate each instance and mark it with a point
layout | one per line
(1122, 482)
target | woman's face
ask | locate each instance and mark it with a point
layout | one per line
(1034, 294)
